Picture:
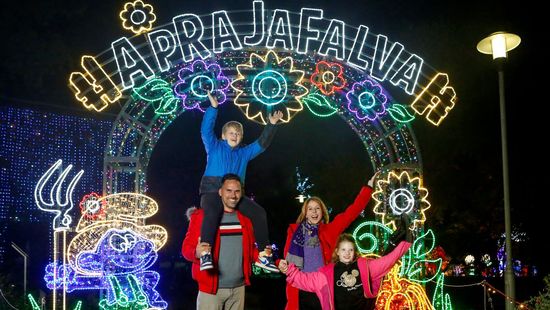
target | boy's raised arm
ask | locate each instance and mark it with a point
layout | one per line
(213, 100)
(208, 121)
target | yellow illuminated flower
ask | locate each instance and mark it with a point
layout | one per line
(399, 194)
(266, 84)
(137, 16)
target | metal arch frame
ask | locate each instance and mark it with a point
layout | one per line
(137, 128)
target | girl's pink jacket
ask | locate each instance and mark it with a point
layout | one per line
(321, 282)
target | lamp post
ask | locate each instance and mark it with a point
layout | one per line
(498, 44)
(25, 258)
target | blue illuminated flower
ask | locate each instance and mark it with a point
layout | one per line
(366, 100)
(195, 80)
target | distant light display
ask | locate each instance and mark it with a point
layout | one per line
(30, 139)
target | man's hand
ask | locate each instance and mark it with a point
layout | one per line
(283, 266)
(202, 247)
(213, 100)
(275, 117)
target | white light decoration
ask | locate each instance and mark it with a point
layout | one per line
(307, 33)
(190, 29)
(60, 207)
(224, 32)
(122, 211)
(401, 195)
(280, 30)
(258, 18)
(164, 45)
(130, 63)
(63, 201)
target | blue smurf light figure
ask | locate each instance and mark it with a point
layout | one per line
(119, 264)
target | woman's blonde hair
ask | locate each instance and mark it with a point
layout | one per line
(324, 209)
(345, 238)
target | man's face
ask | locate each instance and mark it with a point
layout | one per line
(230, 192)
(232, 136)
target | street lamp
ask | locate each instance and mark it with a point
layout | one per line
(498, 44)
(25, 258)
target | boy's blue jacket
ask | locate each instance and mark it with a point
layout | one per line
(221, 158)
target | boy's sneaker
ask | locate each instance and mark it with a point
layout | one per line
(206, 261)
(266, 262)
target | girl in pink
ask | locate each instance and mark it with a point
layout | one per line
(348, 282)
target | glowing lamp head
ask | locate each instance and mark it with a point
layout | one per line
(498, 44)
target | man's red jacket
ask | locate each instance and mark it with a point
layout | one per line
(208, 279)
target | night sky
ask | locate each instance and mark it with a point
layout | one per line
(43, 41)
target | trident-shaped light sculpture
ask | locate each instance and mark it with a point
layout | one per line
(60, 203)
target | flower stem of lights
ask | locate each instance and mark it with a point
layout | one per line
(441, 300)
(400, 113)
(158, 92)
(415, 260)
(33, 302)
(319, 105)
(58, 207)
(368, 236)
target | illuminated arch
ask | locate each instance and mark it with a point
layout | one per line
(332, 78)
(388, 138)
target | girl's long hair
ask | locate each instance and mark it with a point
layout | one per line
(345, 238)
